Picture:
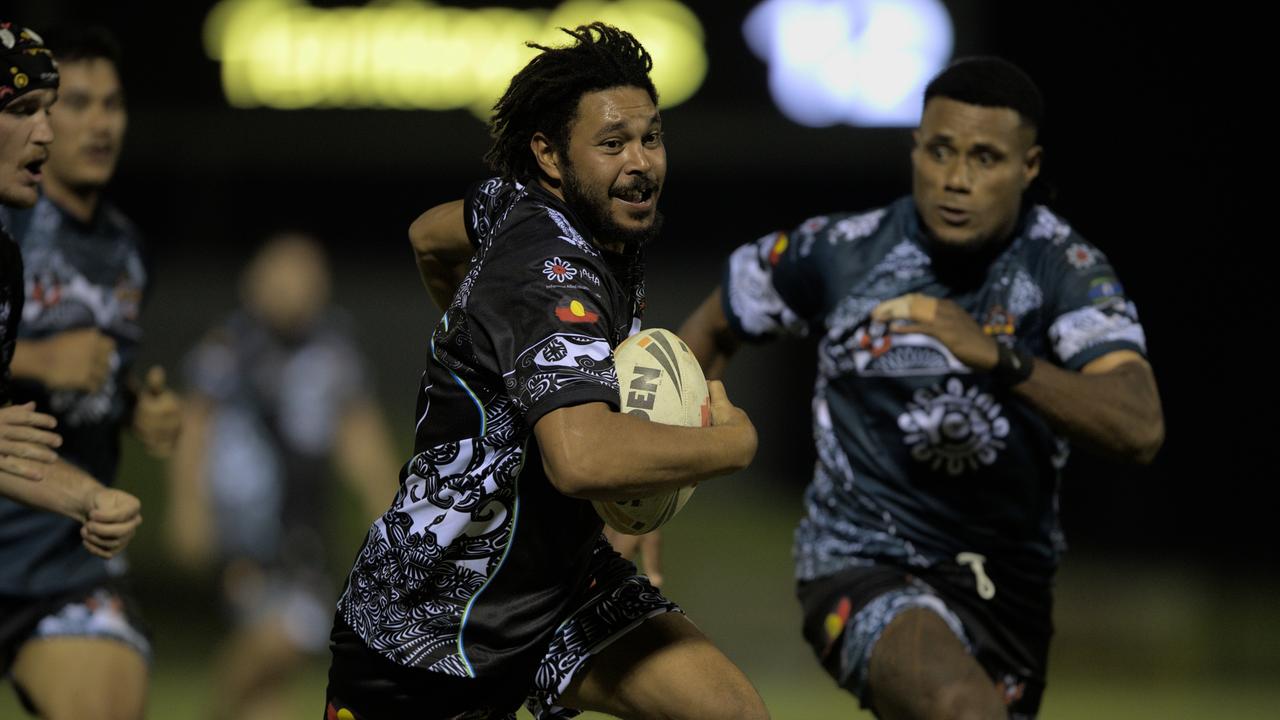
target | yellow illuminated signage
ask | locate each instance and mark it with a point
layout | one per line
(413, 54)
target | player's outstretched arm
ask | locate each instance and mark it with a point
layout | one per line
(1111, 405)
(442, 249)
(707, 333)
(590, 451)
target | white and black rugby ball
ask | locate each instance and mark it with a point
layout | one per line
(660, 380)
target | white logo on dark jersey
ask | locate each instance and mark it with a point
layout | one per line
(558, 270)
(954, 429)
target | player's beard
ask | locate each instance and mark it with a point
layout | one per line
(592, 206)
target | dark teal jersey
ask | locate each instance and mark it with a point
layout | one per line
(921, 458)
(76, 275)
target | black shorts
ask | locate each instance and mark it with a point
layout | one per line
(365, 685)
(1008, 634)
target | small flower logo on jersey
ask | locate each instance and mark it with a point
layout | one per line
(954, 429)
(999, 321)
(574, 311)
(558, 270)
(1081, 256)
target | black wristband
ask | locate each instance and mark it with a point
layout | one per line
(1012, 365)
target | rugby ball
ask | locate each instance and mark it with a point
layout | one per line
(659, 380)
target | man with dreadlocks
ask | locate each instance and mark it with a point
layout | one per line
(488, 581)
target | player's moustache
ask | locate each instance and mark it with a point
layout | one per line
(641, 187)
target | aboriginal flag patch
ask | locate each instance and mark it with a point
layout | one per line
(576, 311)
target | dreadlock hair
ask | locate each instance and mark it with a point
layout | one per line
(989, 82)
(544, 95)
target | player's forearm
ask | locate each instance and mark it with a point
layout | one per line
(707, 333)
(30, 360)
(441, 249)
(605, 455)
(1116, 412)
(189, 521)
(65, 490)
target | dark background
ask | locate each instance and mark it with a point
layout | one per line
(1143, 112)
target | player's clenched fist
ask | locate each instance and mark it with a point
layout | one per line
(725, 413)
(113, 516)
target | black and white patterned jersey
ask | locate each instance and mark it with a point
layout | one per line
(479, 558)
(921, 458)
(77, 275)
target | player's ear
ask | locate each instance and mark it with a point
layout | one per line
(547, 155)
(1031, 165)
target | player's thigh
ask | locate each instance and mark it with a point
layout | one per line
(82, 678)
(919, 669)
(665, 668)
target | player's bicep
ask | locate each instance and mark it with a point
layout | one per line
(1092, 316)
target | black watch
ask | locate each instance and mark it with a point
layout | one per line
(1012, 365)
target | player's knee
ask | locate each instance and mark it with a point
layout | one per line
(973, 699)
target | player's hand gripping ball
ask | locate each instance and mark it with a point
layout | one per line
(659, 380)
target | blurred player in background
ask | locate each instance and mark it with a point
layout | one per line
(85, 655)
(964, 336)
(276, 395)
(487, 583)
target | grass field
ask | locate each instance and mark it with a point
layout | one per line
(1136, 639)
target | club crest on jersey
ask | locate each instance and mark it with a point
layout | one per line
(559, 270)
(954, 429)
(999, 321)
(878, 352)
(575, 311)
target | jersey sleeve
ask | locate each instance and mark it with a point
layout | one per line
(1090, 314)
(772, 287)
(484, 205)
(547, 320)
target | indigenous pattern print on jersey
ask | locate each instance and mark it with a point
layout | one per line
(76, 276)
(479, 557)
(919, 457)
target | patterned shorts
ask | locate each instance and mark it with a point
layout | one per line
(105, 611)
(364, 685)
(1007, 632)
